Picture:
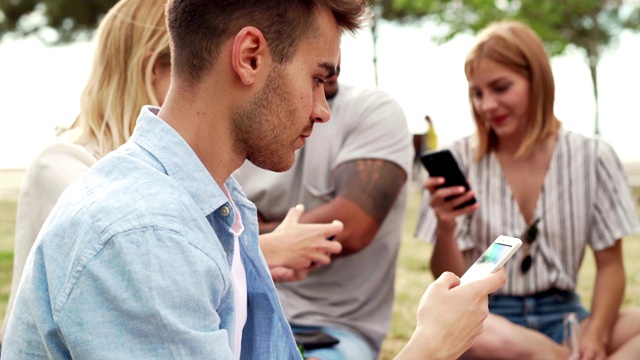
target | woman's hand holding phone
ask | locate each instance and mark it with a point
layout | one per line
(446, 201)
(451, 194)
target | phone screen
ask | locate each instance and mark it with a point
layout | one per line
(493, 258)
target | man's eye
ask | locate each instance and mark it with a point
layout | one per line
(320, 80)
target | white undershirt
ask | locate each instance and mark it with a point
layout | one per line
(238, 280)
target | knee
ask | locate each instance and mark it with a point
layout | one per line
(495, 345)
(631, 313)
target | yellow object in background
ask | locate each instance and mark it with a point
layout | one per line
(430, 138)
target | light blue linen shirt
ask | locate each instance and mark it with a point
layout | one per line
(134, 262)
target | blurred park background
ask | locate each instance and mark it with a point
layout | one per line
(413, 49)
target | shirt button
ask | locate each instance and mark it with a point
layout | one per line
(224, 211)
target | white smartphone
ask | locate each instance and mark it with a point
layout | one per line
(493, 258)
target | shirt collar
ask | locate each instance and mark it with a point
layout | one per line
(179, 161)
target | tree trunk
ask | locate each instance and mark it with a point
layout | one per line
(593, 57)
(374, 34)
(593, 67)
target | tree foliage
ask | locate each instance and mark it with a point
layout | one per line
(590, 25)
(70, 19)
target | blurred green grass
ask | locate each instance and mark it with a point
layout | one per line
(7, 228)
(413, 277)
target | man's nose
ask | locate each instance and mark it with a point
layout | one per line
(321, 111)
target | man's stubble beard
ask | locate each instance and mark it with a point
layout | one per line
(258, 125)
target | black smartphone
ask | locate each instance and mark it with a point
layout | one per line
(315, 339)
(442, 163)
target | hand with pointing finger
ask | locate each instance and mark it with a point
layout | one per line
(299, 246)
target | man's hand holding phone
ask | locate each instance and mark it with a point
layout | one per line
(452, 310)
(451, 316)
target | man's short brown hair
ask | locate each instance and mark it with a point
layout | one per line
(199, 27)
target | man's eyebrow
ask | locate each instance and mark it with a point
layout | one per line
(329, 67)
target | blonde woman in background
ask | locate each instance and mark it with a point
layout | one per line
(132, 68)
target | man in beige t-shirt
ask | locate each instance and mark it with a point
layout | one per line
(353, 169)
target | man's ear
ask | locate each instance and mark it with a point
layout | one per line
(249, 54)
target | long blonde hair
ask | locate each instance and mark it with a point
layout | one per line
(131, 38)
(517, 47)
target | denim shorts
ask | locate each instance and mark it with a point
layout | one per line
(542, 311)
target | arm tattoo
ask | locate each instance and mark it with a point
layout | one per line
(372, 184)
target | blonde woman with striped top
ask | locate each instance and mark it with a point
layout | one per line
(557, 190)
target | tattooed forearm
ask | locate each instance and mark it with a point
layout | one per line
(372, 184)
